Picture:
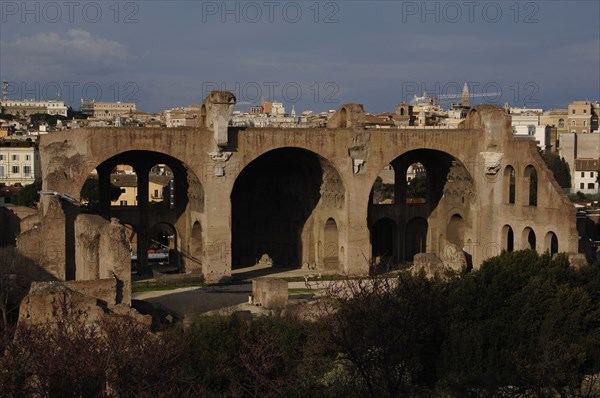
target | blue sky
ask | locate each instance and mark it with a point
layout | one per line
(316, 55)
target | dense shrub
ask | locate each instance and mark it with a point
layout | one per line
(522, 325)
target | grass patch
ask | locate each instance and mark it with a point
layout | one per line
(302, 291)
(152, 286)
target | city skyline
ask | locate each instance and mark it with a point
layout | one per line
(314, 55)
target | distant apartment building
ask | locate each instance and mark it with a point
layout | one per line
(256, 110)
(142, 117)
(159, 188)
(404, 115)
(556, 118)
(245, 119)
(174, 117)
(513, 110)
(107, 110)
(586, 176)
(19, 162)
(583, 117)
(273, 108)
(529, 124)
(580, 151)
(30, 107)
(190, 116)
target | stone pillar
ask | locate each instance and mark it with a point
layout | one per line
(104, 191)
(216, 265)
(399, 185)
(71, 211)
(87, 243)
(143, 243)
(115, 260)
(358, 246)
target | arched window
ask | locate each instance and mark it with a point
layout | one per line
(508, 238)
(331, 256)
(509, 184)
(561, 123)
(196, 242)
(383, 239)
(203, 116)
(530, 183)
(456, 230)
(551, 243)
(528, 240)
(384, 188)
(416, 184)
(343, 118)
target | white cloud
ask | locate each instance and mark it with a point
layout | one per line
(75, 52)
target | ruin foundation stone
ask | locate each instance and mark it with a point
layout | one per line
(271, 293)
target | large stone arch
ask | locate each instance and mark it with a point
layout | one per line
(189, 200)
(280, 202)
(451, 192)
(483, 145)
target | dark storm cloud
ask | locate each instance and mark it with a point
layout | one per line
(366, 52)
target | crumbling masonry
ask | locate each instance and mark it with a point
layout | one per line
(301, 196)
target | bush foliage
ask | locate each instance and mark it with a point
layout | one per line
(523, 325)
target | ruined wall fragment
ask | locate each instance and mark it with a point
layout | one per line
(45, 241)
(115, 258)
(87, 246)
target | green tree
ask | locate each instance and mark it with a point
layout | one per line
(417, 188)
(4, 115)
(90, 193)
(382, 192)
(559, 168)
(525, 321)
(387, 332)
(39, 118)
(29, 195)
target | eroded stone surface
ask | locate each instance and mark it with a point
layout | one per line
(338, 166)
(115, 259)
(430, 264)
(270, 293)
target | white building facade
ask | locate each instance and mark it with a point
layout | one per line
(19, 162)
(27, 108)
(586, 176)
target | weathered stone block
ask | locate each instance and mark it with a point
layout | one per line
(47, 301)
(454, 257)
(102, 289)
(45, 241)
(115, 259)
(577, 260)
(430, 263)
(270, 292)
(492, 162)
(87, 245)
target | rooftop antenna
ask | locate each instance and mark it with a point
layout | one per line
(4, 90)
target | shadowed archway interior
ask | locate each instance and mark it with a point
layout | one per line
(432, 191)
(272, 200)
